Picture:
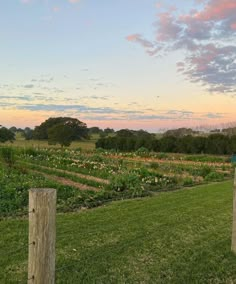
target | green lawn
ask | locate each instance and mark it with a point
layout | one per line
(176, 237)
(84, 145)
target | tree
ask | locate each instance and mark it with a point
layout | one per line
(60, 133)
(6, 135)
(180, 132)
(94, 130)
(185, 144)
(13, 129)
(28, 133)
(218, 144)
(168, 144)
(124, 133)
(78, 127)
(108, 131)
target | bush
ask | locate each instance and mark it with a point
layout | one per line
(204, 171)
(188, 181)
(214, 176)
(97, 158)
(142, 151)
(31, 152)
(129, 182)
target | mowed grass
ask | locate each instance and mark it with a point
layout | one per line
(175, 237)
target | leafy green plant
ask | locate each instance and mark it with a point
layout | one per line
(126, 182)
(204, 171)
(97, 158)
(188, 181)
(31, 152)
(154, 165)
(142, 151)
(214, 176)
(161, 155)
(7, 154)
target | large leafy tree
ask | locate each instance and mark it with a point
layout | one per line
(78, 129)
(60, 133)
(6, 135)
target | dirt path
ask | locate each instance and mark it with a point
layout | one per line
(100, 180)
(65, 181)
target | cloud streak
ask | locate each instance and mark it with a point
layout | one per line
(108, 113)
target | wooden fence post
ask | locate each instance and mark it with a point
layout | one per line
(233, 246)
(42, 235)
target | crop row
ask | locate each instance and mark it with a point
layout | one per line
(90, 179)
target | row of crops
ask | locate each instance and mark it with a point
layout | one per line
(89, 179)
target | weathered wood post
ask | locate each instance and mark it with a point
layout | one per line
(42, 235)
(233, 246)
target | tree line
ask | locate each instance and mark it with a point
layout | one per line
(64, 130)
(218, 144)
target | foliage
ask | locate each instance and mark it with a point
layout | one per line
(142, 151)
(126, 140)
(126, 182)
(78, 128)
(180, 132)
(7, 154)
(129, 174)
(214, 176)
(61, 134)
(28, 133)
(187, 181)
(6, 135)
(94, 130)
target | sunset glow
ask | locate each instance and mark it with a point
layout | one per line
(120, 64)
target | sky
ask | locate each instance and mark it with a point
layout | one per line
(138, 64)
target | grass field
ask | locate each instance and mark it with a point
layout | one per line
(84, 145)
(173, 237)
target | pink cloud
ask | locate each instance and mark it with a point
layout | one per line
(217, 10)
(151, 48)
(132, 37)
(207, 38)
(138, 38)
(167, 29)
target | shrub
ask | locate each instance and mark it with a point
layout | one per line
(99, 150)
(97, 158)
(188, 181)
(31, 152)
(142, 151)
(214, 176)
(204, 171)
(126, 182)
